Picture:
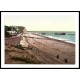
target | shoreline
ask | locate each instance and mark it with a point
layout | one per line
(69, 42)
(64, 40)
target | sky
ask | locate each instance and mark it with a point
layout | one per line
(42, 21)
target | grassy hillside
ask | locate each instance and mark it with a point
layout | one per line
(18, 29)
(18, 56)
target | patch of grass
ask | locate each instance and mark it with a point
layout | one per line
(27, 60)
(19, 46)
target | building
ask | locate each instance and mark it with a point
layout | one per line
(12, 32)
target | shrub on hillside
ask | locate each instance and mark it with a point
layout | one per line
(19, 46)
(7, 34)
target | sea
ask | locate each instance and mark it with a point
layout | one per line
(67, 36)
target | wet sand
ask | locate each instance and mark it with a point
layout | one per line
(47, 50)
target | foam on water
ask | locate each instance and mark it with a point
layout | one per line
(66, 40)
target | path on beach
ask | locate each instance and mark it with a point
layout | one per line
(48, 49)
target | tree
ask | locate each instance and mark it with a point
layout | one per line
(6, 33)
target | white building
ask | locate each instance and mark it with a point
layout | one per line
(12, 32)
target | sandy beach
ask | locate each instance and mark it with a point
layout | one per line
(47, 49)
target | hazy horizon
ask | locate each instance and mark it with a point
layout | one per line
(54, 21)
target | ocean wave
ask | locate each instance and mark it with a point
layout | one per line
(62, 39)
